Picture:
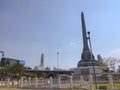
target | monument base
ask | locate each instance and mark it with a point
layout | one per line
(85, 71)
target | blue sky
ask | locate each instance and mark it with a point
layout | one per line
(29, 28)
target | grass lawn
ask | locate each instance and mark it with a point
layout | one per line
(105, 86)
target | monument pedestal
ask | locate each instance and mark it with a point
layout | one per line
(85, 71)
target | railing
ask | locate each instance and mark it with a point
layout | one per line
(62, 83)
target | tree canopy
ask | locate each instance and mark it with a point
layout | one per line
(16, 69)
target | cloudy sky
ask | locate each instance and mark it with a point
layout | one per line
(29, 28)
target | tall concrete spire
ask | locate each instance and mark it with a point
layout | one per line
(42, 59)
(86, 56)
(85, 42)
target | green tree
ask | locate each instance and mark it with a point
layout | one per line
(111, 62)
(32, 75)
(3, 72)
(16, 70)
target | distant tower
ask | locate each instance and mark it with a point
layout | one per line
(42, 59)
(99, 57)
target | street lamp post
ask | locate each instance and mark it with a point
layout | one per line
(92, 59)
(57, 60)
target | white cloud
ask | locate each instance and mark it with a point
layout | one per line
(73, 43)
(115, 52)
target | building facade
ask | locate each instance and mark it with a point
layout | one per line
(9, 61)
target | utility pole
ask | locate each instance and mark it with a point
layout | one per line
(92, 59)
(57, 60)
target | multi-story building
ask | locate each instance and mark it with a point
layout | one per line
(9, 61)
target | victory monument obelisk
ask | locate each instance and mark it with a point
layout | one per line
(87, 65)
(87, 58)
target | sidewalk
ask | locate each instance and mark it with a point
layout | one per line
(36, 89)
(9, 89)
